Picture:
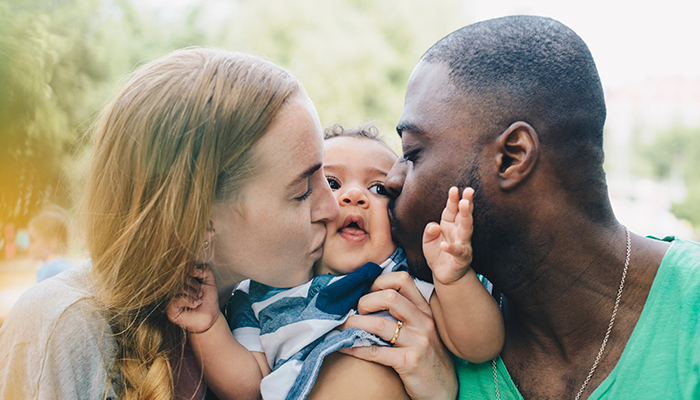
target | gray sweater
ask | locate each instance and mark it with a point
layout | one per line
(54, 344)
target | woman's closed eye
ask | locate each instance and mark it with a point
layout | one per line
(306, 194)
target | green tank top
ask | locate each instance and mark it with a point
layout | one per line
(662, 357)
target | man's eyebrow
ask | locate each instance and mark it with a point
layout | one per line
(306, 174)
(400, 128)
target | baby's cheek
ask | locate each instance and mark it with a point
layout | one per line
(385, 249)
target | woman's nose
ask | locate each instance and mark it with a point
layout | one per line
(395, 178)
(353, 196)
(326, 208)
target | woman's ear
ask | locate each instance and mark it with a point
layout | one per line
(518, 152)
(207, 248)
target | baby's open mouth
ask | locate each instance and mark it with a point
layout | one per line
(353, 229)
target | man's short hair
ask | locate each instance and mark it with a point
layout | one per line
(537, 70)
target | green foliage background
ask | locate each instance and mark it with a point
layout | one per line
(62, 60)
(674, 154)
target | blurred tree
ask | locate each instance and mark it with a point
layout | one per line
(59, 62)
(674, 154)
(34, 133)
(353, 56)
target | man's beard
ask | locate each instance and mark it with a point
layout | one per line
(417, 265)
(484, 230)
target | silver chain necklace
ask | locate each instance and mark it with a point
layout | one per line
(607, 334)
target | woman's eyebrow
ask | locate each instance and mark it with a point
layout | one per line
(306, 174)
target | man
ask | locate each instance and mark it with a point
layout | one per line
(513, 107)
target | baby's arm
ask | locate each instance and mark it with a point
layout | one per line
(230, 370)
(468, 319)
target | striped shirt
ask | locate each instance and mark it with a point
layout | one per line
(296, 328)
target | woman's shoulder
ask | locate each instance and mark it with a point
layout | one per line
(56, 332)
(51, 297)
(63, 301)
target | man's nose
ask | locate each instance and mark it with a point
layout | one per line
(353, 196)
(395, 178)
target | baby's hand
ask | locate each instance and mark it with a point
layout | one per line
(447, 247)
(197, 308)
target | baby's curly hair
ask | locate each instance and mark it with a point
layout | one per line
(366, 131)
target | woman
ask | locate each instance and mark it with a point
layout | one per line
(205, 156)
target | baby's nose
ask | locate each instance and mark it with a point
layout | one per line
(353, 196)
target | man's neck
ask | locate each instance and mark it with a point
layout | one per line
(555, 323)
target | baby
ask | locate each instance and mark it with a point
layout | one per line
(289, 331)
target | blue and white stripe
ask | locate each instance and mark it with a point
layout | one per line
(295, 333)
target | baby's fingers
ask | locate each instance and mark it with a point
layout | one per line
(178, 305)
(192, 288)
(182, 302)
(431, 233)
(468, 194)
(459, 250)
(451, 208)
(464, 220)
(193, 291)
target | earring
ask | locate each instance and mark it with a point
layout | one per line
(205, 245)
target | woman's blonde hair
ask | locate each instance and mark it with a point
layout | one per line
(176, 139)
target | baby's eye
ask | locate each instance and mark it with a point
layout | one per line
(379, 188)
(333, 183)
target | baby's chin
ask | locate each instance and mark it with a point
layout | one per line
(335, 267)
(344, 265)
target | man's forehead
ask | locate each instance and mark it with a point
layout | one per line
(430, 80)
(431, 99)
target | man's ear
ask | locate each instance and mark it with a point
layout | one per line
(518, 152)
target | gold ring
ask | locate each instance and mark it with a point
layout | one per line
(399, 324)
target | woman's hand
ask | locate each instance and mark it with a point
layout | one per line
(418, 355)
(197, 307)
